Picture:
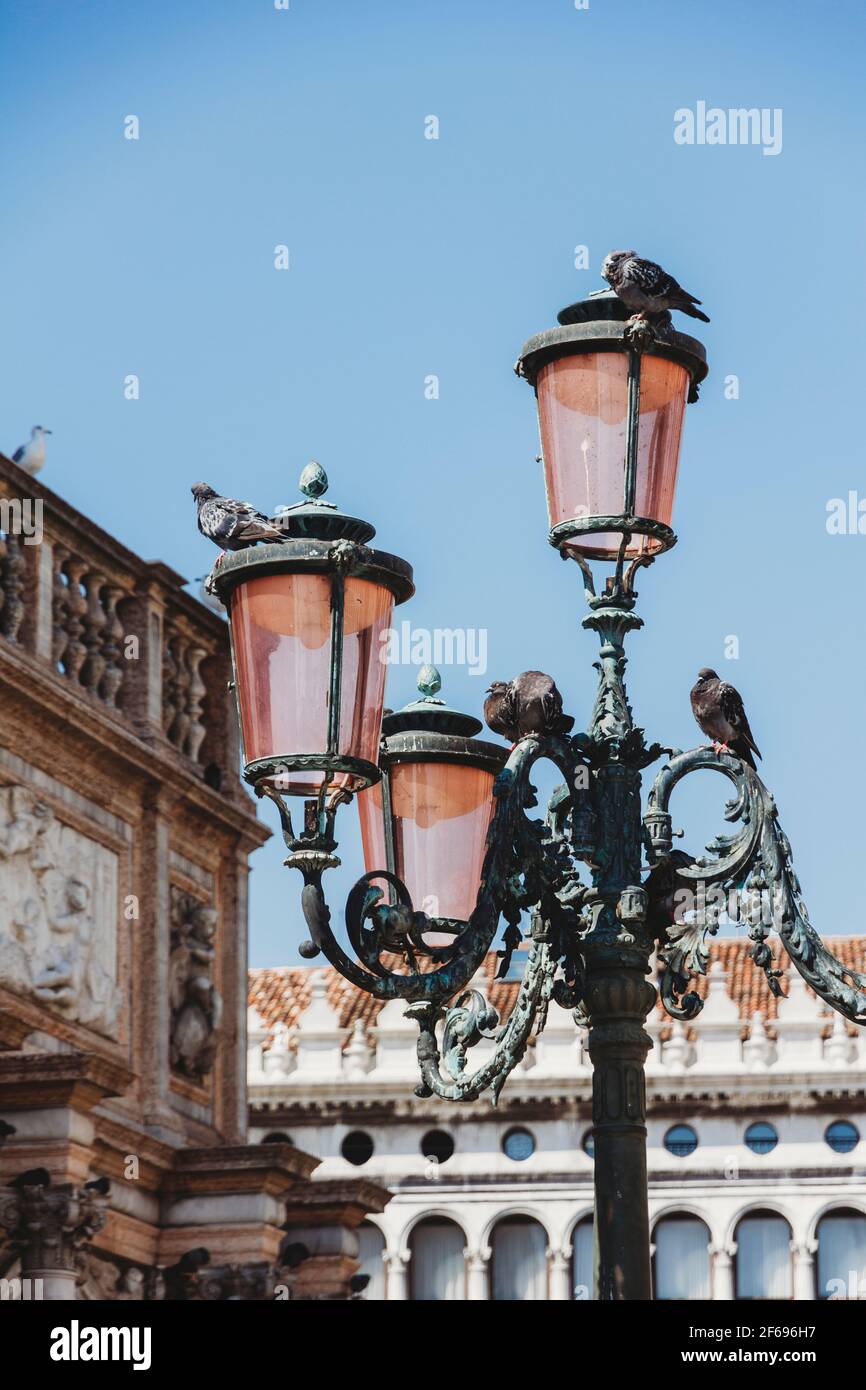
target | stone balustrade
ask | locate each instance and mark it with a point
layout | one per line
(86, 613)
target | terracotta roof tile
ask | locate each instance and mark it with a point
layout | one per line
(281, 993)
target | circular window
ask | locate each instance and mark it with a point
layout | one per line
(277, 1138)
(437, 1145)
(518, 1144)
(842, 1136)
(681, 1140)
(761, 1138)
(357, 1147)
(588, 1144)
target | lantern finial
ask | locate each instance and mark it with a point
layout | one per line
(313, 481)
(429, 681)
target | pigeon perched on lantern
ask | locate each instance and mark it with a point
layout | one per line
(719, 711)
(530, 704)
(229, 524)
(646, 288)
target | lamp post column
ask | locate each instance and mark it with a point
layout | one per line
(618, 999)
(616, 951)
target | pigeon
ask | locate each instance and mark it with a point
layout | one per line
(530, 704)
(645, 287)
(31, 456)
(718, 708)
(32, 1177)
(229, 524)
(100, 1185)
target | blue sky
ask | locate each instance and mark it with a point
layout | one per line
(411, 257)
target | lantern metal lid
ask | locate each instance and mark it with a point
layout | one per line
(428, 730)
(602, 323)
(316, 519)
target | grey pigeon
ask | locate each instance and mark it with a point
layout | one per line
(718, 708)
(229, 524)
(530, 704)
(31, 456)
(645, 287)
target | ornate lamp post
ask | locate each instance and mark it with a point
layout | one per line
(611, 399)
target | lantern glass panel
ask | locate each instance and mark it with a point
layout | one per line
(281, 628)
(441, 813)
(583, 416)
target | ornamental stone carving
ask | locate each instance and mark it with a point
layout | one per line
(58, 912)
(50, 1227)
(101, 1280)
(196, 1005)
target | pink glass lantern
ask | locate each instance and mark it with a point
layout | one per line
(427, 820)
(611, 418)
(309, 620)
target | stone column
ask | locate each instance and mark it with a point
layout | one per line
(153, 952)
(231, 1104)
(49, 1227)
(560, 1274)
(722, 1257)
(397, 1265)
(477, 1280)
(804, 1269)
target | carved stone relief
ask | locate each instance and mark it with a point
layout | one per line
(58, 912)
(196, 1005)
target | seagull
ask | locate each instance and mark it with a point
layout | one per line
(530, 704)
(31, 456)
(645, 287)
(718, 708)
(229, 524)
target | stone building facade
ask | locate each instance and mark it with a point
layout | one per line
(757, 1168)
(125, 837)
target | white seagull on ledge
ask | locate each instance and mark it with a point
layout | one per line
(31, 456)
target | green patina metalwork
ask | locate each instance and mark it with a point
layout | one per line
(598, 878)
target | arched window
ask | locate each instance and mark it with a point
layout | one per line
(681, 1264)
(763, 1268)
(436, 1269)
(519, 1247)
(842, 1254)
(371, 1244)
(581, 1260)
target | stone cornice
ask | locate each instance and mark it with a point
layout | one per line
(274, 1169)
(335, 1201)
(115, 1140)
(41, 1080)
(13, 1028)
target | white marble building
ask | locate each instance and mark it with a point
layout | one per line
(757, 1169)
